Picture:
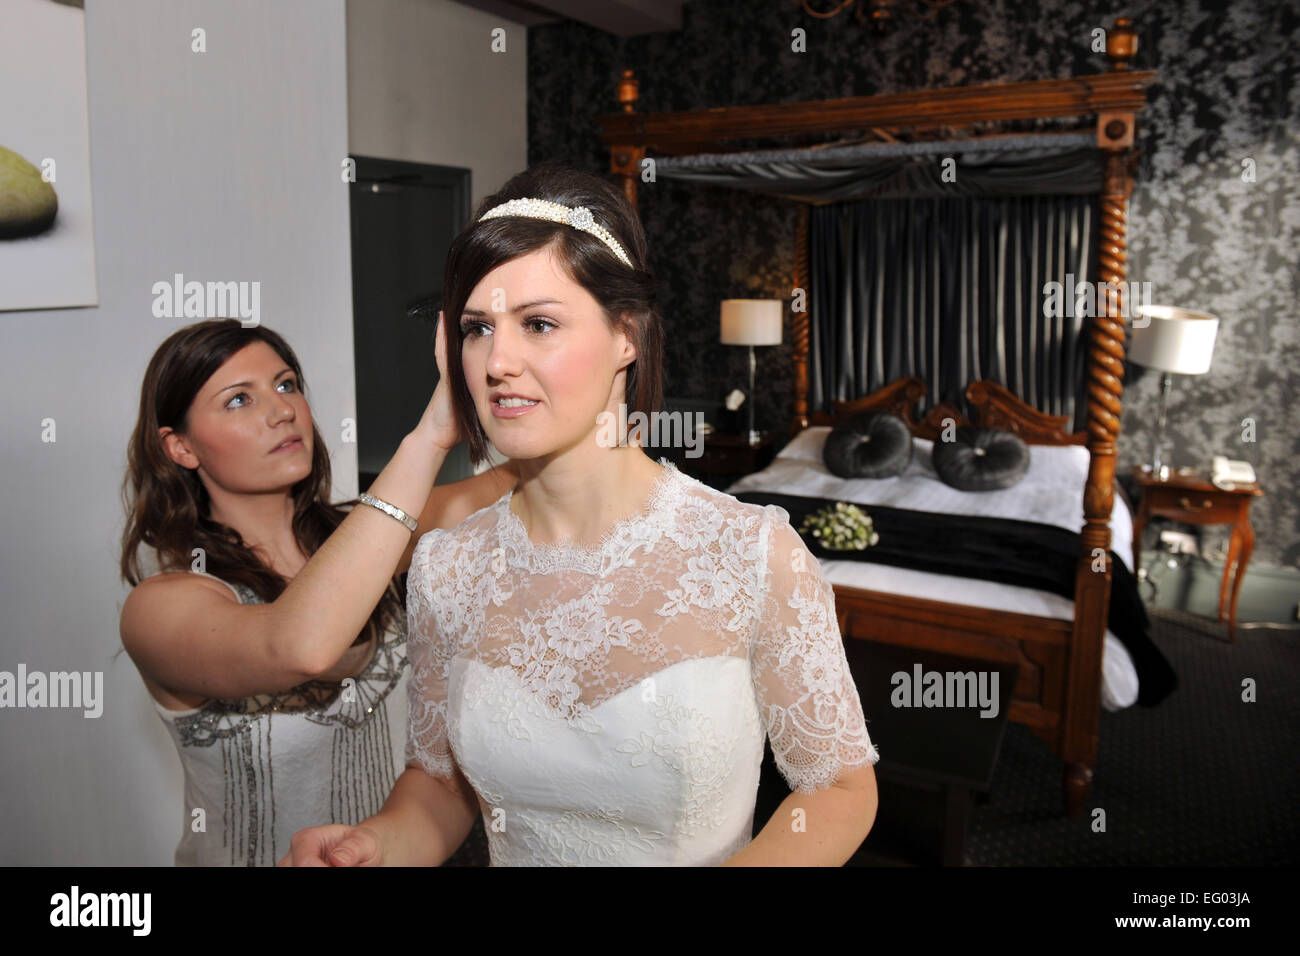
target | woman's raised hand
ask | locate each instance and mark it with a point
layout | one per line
(334, 844)
(438, 424)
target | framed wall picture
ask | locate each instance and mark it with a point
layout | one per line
(47, 236)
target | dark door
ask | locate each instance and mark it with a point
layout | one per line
(404, 217)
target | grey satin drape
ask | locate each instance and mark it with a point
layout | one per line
(949, 290)
(1042, 164)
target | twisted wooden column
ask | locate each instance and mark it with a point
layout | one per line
(1105, 371)
(800, 327)
(1106, 340)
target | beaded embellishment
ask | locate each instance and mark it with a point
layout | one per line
(579, 217)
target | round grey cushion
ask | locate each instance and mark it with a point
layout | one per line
(981, 459)
(870, 445)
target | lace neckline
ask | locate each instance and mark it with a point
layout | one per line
(547, 556)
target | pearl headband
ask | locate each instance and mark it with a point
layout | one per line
(578, 218)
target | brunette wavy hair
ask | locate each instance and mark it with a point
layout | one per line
(167, 505)
(626, 294)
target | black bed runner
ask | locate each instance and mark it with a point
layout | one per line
(1010, 551)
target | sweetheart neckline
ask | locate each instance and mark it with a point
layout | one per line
(592, 708)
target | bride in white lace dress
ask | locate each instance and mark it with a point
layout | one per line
(598, 655)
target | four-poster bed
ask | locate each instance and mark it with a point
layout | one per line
(1057, 693)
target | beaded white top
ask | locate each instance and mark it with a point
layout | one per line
(579, 217)
(265, 766)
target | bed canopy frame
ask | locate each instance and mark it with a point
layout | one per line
(1058, 690)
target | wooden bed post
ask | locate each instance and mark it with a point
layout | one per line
(800, 325)
(1105, 373)
(625, 159)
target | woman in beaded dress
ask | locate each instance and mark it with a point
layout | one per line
(267, 623)
(598, 655)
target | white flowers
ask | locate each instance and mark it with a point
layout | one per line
(841, 527)
(707, 583)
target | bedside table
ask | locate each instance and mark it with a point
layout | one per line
(725, 458)
(1192, 499)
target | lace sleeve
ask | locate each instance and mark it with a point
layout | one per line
(806, 694)
(426, 729)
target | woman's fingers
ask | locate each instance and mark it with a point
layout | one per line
(314, 846)
(308, 847)
(439, 419)
(440, 346)
(358, 848)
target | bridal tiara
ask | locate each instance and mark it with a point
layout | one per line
(579, 217)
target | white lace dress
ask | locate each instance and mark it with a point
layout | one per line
(608, 705)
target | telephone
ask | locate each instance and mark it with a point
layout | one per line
(1227, 474)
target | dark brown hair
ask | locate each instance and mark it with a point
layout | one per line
(626, 294)
(167, 505)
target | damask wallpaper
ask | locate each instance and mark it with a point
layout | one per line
(1214, 219)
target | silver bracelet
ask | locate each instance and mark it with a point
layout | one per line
(386, 508)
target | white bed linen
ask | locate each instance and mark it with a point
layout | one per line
(800, 470)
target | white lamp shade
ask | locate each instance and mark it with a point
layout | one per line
(1173, 340)
(752, 321)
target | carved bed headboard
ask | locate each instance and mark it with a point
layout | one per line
(993, 407)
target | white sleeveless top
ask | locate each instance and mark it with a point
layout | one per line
(609, 705)
(262, 768)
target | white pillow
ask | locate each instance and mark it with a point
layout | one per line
(807, 445)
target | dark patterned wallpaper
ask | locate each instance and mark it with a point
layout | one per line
(1227, 103)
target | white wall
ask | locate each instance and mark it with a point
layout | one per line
(425, 86)
(223, 166)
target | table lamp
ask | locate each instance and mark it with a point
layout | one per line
(752, 322)
(1173, 341)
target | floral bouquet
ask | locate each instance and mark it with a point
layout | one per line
(840, 527)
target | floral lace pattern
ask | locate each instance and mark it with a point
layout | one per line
(686, 741)
(609, 704)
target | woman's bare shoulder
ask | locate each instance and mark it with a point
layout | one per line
(160, 596)
(150, 604)
(170, 585)
(452, 503)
